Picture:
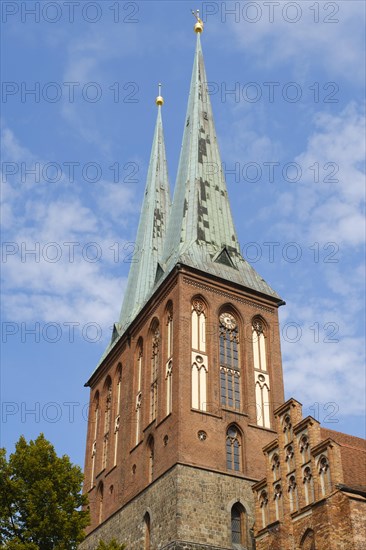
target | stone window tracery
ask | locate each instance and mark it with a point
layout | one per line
(117, 413)
(308, 482)
(277, 497)
(95, 436)
(233, 449)
(169, 362)
(263, 504)
(229, 361)
(155, 362)
(287, 428)
(107, 421)
(138, 395)
(292, 490)
(304, 447)
(199, 355)
(262, 381)
(290, 458)
(324, 475)
(276, 467)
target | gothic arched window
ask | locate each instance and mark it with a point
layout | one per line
(155, 365)
(275, 461)
(262, 382)
(287, 428)
(95, 436)
(147, 528)
(277, 496)
(199, 355)
(107, 396)
(292, 490)
(138, 394)
(238, 525)
(324, 475)
(263, 504)
(290, 458)
(117, 412)
(229, 361)
(233, 449)
(304, 447)
(169, 359)
(100, 502)
(308, 482)
(151, 451)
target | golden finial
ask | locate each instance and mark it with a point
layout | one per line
(159, 100)
(198, 28)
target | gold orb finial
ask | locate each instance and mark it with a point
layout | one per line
(159, 100)
(198, 28)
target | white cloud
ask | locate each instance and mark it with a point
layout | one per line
(323, 358)
(331, 211)
(332, 40)
(83, 284)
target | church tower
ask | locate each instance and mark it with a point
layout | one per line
(182, 401)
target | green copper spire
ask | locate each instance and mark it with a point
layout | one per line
(201, 231)
(151, 230)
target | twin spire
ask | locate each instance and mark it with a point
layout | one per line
(151, 230)
(197, 230)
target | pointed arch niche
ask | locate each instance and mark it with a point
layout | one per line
(107, 401)
(117, 417)
(154, 367)
(138, 389)
(261, 375)
(169, 357)
(199, 353)
(230, 371)
(95, 435)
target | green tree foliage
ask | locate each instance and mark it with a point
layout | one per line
(40, 500)
(112, 545)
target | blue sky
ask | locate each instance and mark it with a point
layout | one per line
(287, 83)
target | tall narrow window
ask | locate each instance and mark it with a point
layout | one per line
(147, 526)
(263, 504)
(118, 412)
(290, 458)
(292, 490)
(199, 356)
(100, 502)
(262, 383)
(95, 435)
(277, 496)
(107, 420)
(151, 451)
(308, 482)
(229, 361)
(275, 461)
(169, 362)
(304, 447)
(238, 525)
(287, 428)
(155, 365)
(233, 449)
(138, 400)
(324, 475)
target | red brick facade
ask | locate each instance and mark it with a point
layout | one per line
(314, 492)
(184, 436)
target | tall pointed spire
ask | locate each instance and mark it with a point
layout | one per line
(201, 230)
(151, 230)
